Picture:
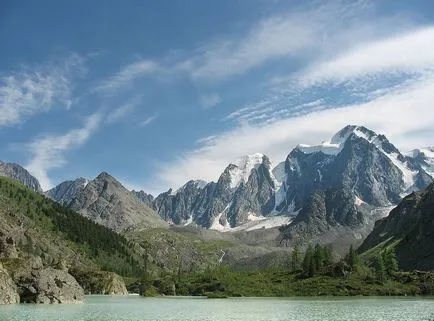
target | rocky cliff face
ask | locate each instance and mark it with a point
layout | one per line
(410, 229)
(104, 200)
(38, 284)
(361, 164)
(244, 191)
(355, 159)
(144, 197)
(19, 173)
(423, 157)
(8, 289)
(100, 282)
(66, 191)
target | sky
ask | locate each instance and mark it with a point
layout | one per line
(160, 92)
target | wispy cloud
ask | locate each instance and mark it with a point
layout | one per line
(123, 111)
(148, 120)
(48, 151)
(36, 89)
(411, 52)
(309, 31)
(126, 76)
(394, 114)
(209, 100)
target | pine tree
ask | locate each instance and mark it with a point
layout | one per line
(352, 258)
(390, 261)
(380, 271)
(318, 257)
(295, 259)
(308, 262)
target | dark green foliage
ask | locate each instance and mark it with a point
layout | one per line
(308, 263)
(379, 269)
(295, 259)
(352, 258)
(111, 251)
(389, 259)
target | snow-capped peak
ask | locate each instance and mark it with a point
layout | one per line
(337, 142)
(197, 183)
(242, 167)
(424, 157)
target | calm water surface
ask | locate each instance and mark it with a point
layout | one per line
(134, 308)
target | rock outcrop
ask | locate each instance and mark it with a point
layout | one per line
(65, 192)
(8, 289)
(409, 228)
(100, 282)
(20, 174)
(39, 284)
(105, 201)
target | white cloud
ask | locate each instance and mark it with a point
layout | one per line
(407, 110)
(209, 100)
(127, 75)
(148, 120)
(312, 30)
(409, 52)
(37, 89)
(48, 151)
(123, 111)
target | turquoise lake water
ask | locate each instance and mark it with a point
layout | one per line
(134, 308)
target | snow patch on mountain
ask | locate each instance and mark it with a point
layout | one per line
(243, 167)
(425, 157)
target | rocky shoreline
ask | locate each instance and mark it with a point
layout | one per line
(25, 279)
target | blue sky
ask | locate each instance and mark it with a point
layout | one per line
(160, 92)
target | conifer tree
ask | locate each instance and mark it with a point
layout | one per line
(380, 271)
(295, 259)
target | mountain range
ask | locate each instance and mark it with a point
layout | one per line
(330, 192)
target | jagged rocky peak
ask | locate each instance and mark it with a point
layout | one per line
(240, 169)
(144, 197)
(20, 174)
(424, 157)
(335, 145)
(66, 191)
(107, 202)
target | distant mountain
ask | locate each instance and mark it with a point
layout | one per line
(144, 197)
(20, 174)
(424, 157)
(362, 165)
(104, 200)
(244, 192)
(409, 228)
(66, 191)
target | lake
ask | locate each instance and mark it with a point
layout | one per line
(133, 308)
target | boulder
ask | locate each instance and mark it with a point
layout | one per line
(100, 282)
(49, 285)
(8, 290)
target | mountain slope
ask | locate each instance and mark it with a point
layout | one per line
(20, 174)
(37, 225)
(66, 191)
(244, 192)
(104, 200)
(409, 228)
(424, 157)
(356, 161)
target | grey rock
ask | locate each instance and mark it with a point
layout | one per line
(20, 174)
(66, 191)
(8, 289)
(412, 224)
(105, 201)
(100, 282)
(144, 197)
(49, 285)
